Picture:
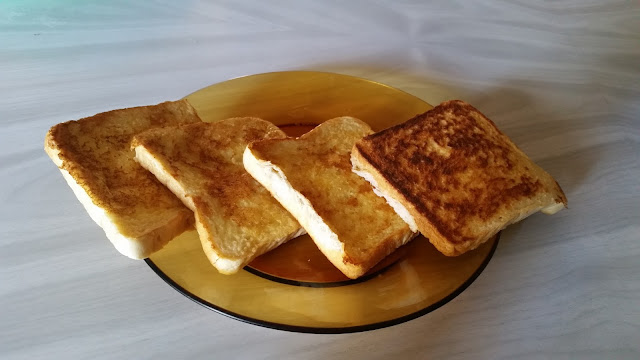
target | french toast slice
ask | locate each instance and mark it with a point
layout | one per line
(454, 176)
(311, 177)
(236, 218)
(137, 213)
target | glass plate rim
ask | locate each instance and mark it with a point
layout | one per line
(327, 330)
(307, 72)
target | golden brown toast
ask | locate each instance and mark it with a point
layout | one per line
(236, 218)
(452, 175)
(311, 177)
(138, 214)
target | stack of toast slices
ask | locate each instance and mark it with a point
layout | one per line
(147, 174)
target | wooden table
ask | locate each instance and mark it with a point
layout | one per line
(561, 78)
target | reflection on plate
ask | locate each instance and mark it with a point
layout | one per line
(294, 287)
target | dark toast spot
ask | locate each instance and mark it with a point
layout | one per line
(454, 166)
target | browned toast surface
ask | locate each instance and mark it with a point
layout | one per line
(96, 153)
(317, 165)
(236, 217)
(458, 175)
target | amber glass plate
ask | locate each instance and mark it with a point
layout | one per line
(294, 287)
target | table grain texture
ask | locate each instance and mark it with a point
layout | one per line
(561, 78)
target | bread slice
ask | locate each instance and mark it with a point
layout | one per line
(311, 177)
(138, 214)
(236, 218)
(452, 175)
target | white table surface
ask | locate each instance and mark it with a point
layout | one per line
(561, 78)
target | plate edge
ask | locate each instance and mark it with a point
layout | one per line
(328, 330)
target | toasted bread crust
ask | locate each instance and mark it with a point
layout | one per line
(460, 177)
(95, 152)
(317, 166)
(236, 218)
